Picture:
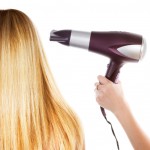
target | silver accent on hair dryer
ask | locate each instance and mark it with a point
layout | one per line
(80, 39)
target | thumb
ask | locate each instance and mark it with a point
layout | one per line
(103, 80)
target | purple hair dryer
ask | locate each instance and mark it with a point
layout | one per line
(120, 47)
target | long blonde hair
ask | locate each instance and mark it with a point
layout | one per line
(33, 113)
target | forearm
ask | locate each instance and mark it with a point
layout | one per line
(111, 97)
(136, 136)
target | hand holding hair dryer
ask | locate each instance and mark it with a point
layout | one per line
(120, 47)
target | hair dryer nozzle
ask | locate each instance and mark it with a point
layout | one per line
(143, 49)
(62, 36)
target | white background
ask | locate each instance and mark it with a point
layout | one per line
(76, 70)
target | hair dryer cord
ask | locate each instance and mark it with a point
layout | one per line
(104, 114)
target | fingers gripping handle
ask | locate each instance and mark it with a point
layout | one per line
(112, 74)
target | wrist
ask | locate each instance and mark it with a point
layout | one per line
(121, 109)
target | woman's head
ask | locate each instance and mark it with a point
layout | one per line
(19, 51)
(33, 113)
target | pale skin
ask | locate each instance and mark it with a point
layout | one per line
(111, 97)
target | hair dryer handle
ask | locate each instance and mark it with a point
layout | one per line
(112, 74)
(113, 70)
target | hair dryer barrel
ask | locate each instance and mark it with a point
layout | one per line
(120, 47)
